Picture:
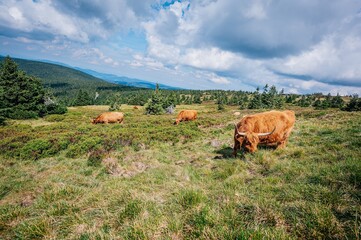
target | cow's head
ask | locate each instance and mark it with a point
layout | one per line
(176, 121)
(249, 140)
(93, 121)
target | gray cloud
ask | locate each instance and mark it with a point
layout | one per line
(302, 46)
(266, 29)
(312, 43)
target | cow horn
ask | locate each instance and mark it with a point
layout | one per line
(265, 134)
(239, 133)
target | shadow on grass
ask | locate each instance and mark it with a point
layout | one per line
(225, 153)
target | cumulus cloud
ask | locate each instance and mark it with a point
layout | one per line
(94, 56)
(40, 18)
(314, 43)
(267, 29)
(79, 20)
(302, 46)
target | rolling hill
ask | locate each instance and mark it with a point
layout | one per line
(65, 81)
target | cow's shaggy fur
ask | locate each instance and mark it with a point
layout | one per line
(277, 124)
(109, 117)
(186, 115)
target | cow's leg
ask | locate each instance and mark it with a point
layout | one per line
(236, 147)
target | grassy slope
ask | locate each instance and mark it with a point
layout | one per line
(162, 181)
(63, 80)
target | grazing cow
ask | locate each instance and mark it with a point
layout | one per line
(268, 128)
(109, 117)
(186, 115)
(135, 107)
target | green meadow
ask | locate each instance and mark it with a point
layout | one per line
(62, 177)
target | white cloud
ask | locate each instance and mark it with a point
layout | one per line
(213, 58)
(94, 56)
(219, 80)
(212, 77)
(301, 46)
(141, 61)
(332, 60)
(28, 16)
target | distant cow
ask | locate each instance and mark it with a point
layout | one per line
(267, 128)
(109, 117)
(135, 107)
(186, 115)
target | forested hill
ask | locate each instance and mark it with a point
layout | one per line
(65, 81)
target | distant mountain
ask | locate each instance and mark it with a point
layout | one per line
(131, 82)
(64, 81)
(125, 81)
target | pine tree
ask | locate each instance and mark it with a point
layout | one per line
(304, 102)
(21, 96)
(197, 99)
(154, 105)
(82, 99)
(256, 101)
(337, 102)
(354, 104)
(243, 103)
(169, 101)
(317, 104)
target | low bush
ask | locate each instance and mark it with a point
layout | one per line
(56, 109)
(55, 118)
(84, 146)
(21, 114)
(95, 157)
(35, 149)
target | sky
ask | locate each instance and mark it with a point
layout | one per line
(303, 46)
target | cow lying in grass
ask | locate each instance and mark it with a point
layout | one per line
(109, 117)
(268, 128)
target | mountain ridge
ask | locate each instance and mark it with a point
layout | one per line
(132, 82)
(52, 74)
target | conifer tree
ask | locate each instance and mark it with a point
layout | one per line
(21, 96)
(317, 104)
(256, 101)
(337, 102)
(82, 99)
(197, 99)
(354, 104)
(154, 105)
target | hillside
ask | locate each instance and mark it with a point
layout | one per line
(64, 178)
(65, 81)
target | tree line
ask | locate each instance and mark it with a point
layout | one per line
(24, 96)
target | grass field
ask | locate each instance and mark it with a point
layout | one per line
(64, 178)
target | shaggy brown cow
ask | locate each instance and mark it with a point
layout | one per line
(267, 128)
(135, 107)
(186, 115)
(109, 117)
